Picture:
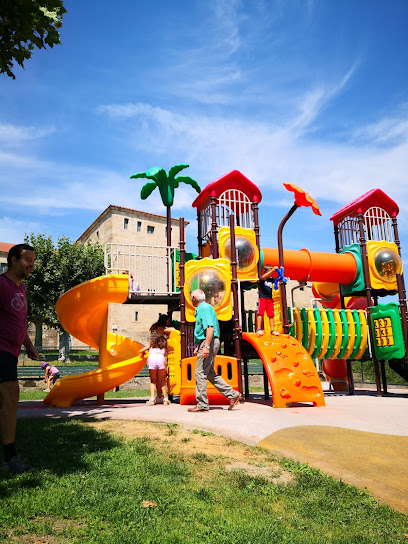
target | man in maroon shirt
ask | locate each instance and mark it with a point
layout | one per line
(13, 333)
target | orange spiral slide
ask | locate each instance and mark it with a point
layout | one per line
(83, 312)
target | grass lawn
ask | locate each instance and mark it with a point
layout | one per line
(137, 482)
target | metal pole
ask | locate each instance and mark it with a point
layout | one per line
(367, 287)
(183, 322)
(285, 317)
(200, 234)
(234, 284)
(402, 296)
(214, 227)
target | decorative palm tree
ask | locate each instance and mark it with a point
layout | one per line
(166, 184)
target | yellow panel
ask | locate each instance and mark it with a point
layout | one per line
(352, 334)
(221, 268)
(173, 363)
(339, 335)
(388, 279)
(364, 334)
(298, 324)
(312, 331)
(251, 272)
(277, 307)
(325, 334)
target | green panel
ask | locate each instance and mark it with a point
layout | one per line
(250, 321)
(332, 333)
(305, 328)
(357, 341)
(386, 326)
(344, 331)
(319, 336)
(358, 283)
(291, 323)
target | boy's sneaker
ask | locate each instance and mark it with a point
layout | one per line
(259, 332)
(151, 402)
(275, 333)
(166, 401)
(46, 390)
(17, 465)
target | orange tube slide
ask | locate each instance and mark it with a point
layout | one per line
(305, 265)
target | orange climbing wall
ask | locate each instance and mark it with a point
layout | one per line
(292, 375)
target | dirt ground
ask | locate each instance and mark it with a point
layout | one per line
(233, 455)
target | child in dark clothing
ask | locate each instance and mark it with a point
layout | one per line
(265, 303)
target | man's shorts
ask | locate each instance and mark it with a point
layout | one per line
(8, 367)
(266, 305)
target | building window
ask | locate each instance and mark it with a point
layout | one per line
(139, 226)
(97, 234)
(3, 267)
(136, 316)
(125, 223)
(150, 229)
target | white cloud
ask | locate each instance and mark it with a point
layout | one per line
(270, 155)
(14, 134)
(12, 231)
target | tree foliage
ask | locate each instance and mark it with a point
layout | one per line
(57, 269)
(24, 25)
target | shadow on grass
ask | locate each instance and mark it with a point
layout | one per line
(59, 446)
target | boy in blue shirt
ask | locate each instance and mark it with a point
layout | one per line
(265, 303)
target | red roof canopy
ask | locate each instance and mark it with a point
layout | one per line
(232, 180)
(374, 198)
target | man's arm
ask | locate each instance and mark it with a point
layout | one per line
(209, 333)
(31, 350)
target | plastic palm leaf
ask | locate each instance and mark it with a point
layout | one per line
(189, 181)
(165, 183)
(147, 189)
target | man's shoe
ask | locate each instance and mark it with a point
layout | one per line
(197, 409)
(17, 465)
(235, 401)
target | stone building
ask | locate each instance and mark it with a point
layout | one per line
(123, 231)
(126, 226)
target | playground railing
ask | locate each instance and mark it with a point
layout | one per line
(153, 268)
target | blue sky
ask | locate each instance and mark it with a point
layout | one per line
(308, 92)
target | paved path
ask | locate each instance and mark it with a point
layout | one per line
(362, 439)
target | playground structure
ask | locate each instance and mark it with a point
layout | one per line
(350, 325)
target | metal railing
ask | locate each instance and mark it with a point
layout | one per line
(151, 269)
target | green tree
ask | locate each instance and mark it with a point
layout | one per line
(24, 25)
(166, 183)
(58, 268)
